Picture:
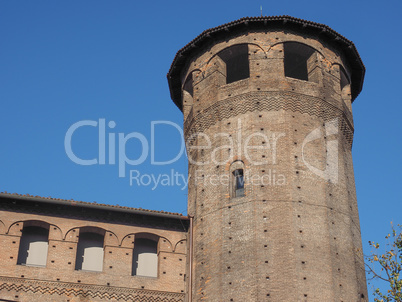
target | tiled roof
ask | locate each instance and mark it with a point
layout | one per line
(272, 22)
(72, 202)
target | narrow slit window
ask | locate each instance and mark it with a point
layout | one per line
(145, 258)
(90, 252)
(237, 64)
(295, 61)
(33, 246)
(238, 182)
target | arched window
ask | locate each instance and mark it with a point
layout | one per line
(145, 258)
(296, 60)
(344, 78)
(237, 179)
(33, 246)
(237, 64)
(188, 85)
(89, 251)
(345, 88)
(187, 95)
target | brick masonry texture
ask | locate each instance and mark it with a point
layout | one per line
(297, 237)
(59, 281)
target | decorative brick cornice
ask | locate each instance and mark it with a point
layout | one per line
(98, 214)
(87, 290)
(268, 101)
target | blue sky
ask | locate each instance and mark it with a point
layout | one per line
(66, 61)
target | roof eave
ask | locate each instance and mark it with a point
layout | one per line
(91, 206)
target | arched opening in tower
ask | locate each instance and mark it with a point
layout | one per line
(237, 64)
(296, 58)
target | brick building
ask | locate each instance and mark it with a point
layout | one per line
(273, 216)
(59, 250)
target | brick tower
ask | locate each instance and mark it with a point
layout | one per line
(269, 129)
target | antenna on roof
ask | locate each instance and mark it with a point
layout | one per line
(261, 9)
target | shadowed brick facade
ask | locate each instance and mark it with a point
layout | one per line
(272, 207)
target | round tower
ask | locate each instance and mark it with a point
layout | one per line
(268, 126)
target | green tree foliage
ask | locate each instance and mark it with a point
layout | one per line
(385, 263)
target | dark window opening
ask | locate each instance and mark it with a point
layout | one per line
(145, 258)
(344, 79)
(296, 56)
(238, 182)
(237, 64)
(188, 85)
(345, 89)
(33, 246)
(90, 252)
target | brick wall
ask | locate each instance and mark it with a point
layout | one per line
(295, 237)
(59, 281)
